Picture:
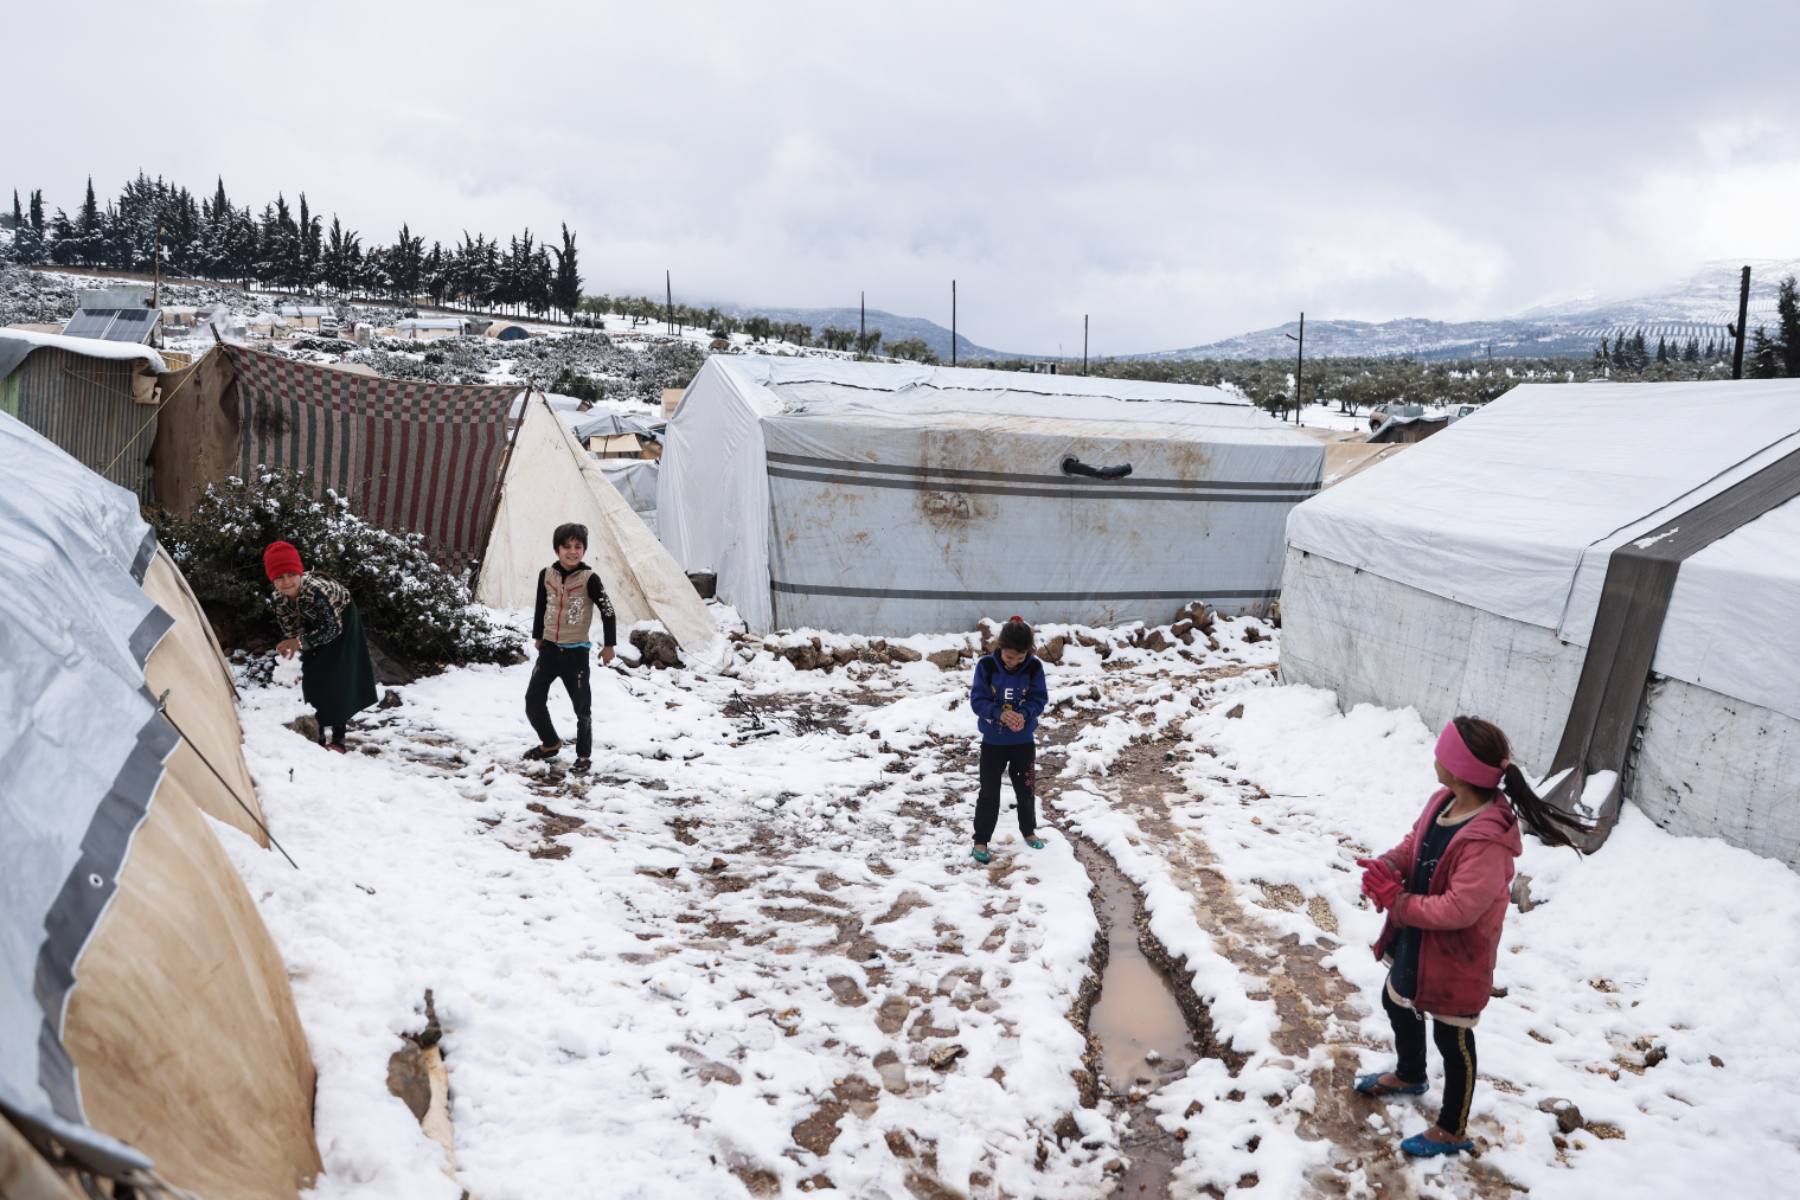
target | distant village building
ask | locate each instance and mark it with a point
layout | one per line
(306, 316)
(433, 329)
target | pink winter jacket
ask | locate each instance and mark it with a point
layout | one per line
(1464, 910)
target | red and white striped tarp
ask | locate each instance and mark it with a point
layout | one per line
(412, 457)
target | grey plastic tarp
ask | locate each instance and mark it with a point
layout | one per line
(81, 754)
(895, 499)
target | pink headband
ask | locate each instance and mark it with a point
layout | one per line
(1461, 762)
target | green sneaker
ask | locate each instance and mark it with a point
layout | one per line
(1036, 843)
(981, 856)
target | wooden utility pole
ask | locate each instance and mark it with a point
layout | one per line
(669, 299)
(1299, 364)
(953, 322)
(1737, 357)
(862, 319)
(1084, 331)
(156, 270)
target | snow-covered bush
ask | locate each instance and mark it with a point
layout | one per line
(412, 608)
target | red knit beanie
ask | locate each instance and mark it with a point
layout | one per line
(281, 559)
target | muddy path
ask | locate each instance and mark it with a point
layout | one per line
(1315, 1004)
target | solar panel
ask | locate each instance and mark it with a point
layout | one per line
(131, 325)
(90, 323)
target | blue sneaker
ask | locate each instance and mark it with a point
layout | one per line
(1371, 1085)
(981, 856)
(1420, 1146)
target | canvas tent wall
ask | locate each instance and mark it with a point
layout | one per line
(1465, 576)
(198, 436)
(145, 1015)
(413, 457)
(95, 399)
(891, 499)
(551, 480)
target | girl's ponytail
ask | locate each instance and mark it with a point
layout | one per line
(1486, 742)
(1552, 825)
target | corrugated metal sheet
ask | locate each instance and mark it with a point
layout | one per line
(84, 405)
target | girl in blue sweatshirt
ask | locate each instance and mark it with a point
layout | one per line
(1008, 695)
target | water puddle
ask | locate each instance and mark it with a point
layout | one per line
(1144, 1039)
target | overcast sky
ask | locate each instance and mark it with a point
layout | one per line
(1183, 172)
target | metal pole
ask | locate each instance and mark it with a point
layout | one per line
(1084, 332)
(953, 322)
(1737, 358)
(1299, 367)
(862, 319)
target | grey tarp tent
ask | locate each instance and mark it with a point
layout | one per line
(897, 498)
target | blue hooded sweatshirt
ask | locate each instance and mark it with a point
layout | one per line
(995, 689)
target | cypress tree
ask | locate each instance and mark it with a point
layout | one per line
(1764, 357)
(1787, 307)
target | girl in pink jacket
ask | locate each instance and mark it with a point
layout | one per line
(1445, 889)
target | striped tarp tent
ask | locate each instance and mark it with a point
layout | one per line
(412, 457)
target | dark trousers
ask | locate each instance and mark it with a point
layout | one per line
(1455, 1042)
(570, 666)
(332, 734)
(1019, 762)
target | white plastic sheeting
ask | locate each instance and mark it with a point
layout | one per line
(551, 480)
(75, 630)
(1515, 510)
(894, 499)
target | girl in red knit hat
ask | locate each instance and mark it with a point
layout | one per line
(1445, 889)
(319, 622)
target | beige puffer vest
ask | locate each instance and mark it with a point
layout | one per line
(568, 611)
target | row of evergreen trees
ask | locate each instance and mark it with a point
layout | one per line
(292, 250)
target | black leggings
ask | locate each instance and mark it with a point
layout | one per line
(1455, 1042)
(332, 735)
(1020, 762)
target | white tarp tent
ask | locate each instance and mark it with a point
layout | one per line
(551, 480)
(1464, 576)
(895, 498)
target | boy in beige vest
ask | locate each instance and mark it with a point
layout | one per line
(568, 593)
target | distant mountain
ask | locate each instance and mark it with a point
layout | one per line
(893, 328)
(1698, 306)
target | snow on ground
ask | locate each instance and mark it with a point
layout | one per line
(1327, 416)
(722, 965)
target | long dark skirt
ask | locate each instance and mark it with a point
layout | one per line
(338, 679)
